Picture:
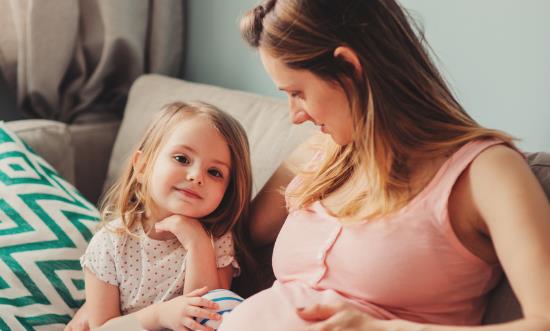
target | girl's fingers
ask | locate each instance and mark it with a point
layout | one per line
(201, 313)
(191, 324)
(202, 302)
(198, 292)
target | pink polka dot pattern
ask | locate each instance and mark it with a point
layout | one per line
(144, 269)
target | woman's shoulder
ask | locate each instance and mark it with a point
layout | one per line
(496, 174)
(501, 157)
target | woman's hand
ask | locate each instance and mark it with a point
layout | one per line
(180, 312)
(345, 317)
(188, 230)
(80, 321)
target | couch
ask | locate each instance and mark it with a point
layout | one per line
(90, 155)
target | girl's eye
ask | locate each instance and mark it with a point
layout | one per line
(215, 173)
(182, 159)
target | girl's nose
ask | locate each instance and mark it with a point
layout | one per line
(195, 176)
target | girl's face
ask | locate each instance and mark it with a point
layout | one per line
(312, 99)
(191, 172)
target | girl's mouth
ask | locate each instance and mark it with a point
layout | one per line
(189, 193)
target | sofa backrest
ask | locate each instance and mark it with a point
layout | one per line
(266, 121)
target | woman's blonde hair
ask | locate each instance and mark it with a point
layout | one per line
(130, 201)
(401, 107)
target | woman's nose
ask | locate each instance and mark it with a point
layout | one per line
(297, 114)
(299, 117)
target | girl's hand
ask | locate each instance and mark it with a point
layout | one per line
(180, 312)
(188, 230)
(339, 317)
(79, 321)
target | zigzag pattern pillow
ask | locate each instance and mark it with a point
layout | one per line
(45, 225)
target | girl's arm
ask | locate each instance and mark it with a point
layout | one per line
(103, 304)
(201, 268)
(102, 300)
(200, 260)
(268, 208)
(201, 265)
(225, 276)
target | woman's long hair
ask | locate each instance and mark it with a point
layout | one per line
(402, 109)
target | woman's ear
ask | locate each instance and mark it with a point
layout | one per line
(137, 166)
(347, 54)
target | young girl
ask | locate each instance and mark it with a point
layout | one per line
(168, 222)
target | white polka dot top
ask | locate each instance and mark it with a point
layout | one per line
(145, 270)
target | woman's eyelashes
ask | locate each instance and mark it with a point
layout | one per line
(296, 94)
(185, 160)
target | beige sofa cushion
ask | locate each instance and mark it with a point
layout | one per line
(266, 120)
(51, 140)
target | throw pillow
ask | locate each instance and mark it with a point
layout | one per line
(45, 225)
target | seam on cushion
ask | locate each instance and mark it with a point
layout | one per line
(47, 126)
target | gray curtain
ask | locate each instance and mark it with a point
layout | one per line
(74, 60)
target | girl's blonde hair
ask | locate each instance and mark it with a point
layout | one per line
(401, 107)
(130, 201)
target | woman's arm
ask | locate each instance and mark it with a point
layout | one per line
(102, 300)
(345, 317)
(511, 202)
(268, 209)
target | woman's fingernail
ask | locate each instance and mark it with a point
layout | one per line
(300, 308)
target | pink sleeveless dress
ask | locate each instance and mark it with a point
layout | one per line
(409, 266)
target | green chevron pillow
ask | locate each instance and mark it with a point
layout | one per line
(45, 225)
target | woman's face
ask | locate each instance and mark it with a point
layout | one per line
(312, 99)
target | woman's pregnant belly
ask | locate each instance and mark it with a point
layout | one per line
(274, 309)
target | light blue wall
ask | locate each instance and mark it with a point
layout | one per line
(216, 53)
(494, 53)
